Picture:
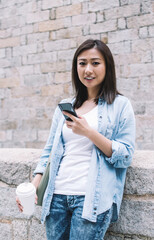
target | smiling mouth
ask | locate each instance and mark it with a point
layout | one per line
(89, 78)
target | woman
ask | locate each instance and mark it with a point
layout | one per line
(90, 154)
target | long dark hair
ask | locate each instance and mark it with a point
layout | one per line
(108, 89)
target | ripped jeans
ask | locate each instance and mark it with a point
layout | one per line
(65, 222)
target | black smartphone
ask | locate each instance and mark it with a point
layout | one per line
(67, 107)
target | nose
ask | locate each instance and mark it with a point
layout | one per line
(88, 69)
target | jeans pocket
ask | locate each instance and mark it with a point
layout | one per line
(102, 216)
(103, 220)
(78, 205)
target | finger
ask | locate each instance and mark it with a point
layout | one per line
(68, 125)
(19, 204)
(17, 200)
(81, 117)
(20, 207)
(70, 116)
(36, 199)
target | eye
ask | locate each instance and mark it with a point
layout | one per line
(96, 63)
(82, 63)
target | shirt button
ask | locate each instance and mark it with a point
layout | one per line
(95, 208)
(94, 213)
(100, 117)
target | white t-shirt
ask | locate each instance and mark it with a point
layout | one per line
(73, 171)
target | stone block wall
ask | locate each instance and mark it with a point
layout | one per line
(37, 41)
(136, 216)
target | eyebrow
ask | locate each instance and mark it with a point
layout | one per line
(84, 59)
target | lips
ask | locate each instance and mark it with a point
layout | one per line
(89, 78)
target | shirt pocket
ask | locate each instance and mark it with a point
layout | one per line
(110, 130)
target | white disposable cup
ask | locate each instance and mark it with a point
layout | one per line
(26, 194)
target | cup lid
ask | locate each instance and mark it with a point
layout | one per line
(25, 189)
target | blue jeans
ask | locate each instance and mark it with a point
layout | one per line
(65, 222)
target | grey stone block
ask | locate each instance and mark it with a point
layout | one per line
(37, 213)
(139, 178)
(13, 173)
(5, 231)
(40, 234)
(140, 238)
(16, 164)
(20, 229)
(8, 206)
(136, 217)
(139, 181)
(111, 236)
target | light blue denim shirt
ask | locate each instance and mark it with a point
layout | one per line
(106, 177)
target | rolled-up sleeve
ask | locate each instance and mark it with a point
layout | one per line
(123, 143)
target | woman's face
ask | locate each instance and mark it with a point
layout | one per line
(91, 69)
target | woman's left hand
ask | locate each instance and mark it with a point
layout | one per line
(78, 124)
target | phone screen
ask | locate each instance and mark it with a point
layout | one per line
(68, 108)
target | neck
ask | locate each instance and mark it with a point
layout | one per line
(91, 95)
(91, 99)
